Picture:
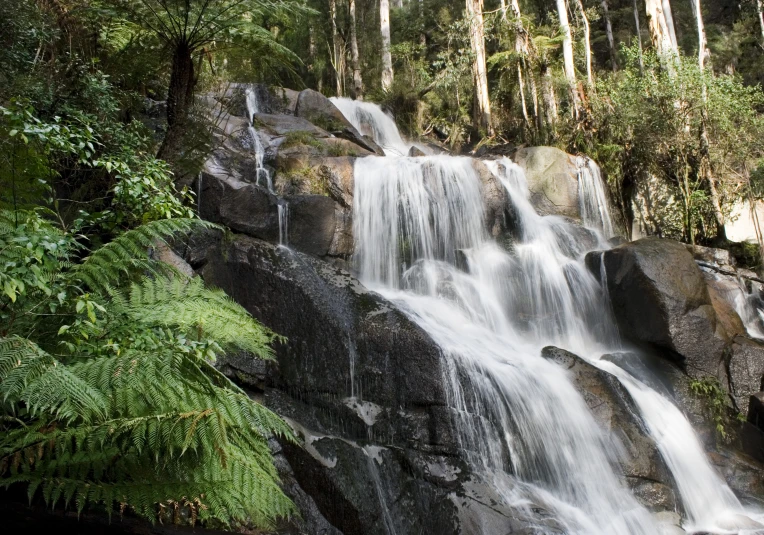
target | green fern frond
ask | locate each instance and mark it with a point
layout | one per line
(128, 253)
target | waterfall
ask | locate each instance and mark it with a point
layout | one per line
(526, 431)
(261, 171)
(592, 197)
(369, 119)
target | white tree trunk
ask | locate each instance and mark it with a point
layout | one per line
(659, 29)
(702, 45)
(567, 54)
(479, 72)
(354, 58)
(337, 61)
(387, 59)
(670, 23)
(760, 11)
(639, 37)
(522, 95)
(587, 41)
(610, 39)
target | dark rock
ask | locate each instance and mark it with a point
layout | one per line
(251, 209)
(745, 371)
(756, 410)
(495, 199)
(659, 297)
(415, 151)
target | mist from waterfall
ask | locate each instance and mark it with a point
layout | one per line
(420, 239)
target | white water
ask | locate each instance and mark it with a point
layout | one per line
(261, 171)
(420, 242)
(369, 119)
(593, 200)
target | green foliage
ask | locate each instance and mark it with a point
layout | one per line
(107, 390)
(716, 402)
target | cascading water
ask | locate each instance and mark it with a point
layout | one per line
(420, 241)
(595, 210)
(262, 172)
(370, 120)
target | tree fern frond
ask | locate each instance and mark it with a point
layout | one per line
(129, 252)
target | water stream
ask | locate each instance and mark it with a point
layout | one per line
(420, 242)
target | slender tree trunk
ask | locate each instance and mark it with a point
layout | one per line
(587, 41)
(670, 23)
(479, 72)
(567, 54)
(760, 12)
(610, 39)
(639, 37)
(521, 85)
(659, 30)
(336, 59)
(550, 99)
(180, 95)
(387, 59)
(354, 59)
(702, 44)
(535, 98)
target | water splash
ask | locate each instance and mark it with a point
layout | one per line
(283, 210)
(261, 172)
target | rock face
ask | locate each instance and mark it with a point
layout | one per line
(362, 386)
(661, 298)
(552, 179)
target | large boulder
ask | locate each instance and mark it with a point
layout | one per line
(363, 388)
(659, 297)
(552, 179)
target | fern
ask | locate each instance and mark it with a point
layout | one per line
(123, 408)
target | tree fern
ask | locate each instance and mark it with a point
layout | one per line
(120, 405)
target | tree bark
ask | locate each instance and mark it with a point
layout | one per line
(477, 40)
(610, 39)
(659, 30)
(387, 59)
(180, 95)
(550, 99)
(522, 95)
(670, 23)
(354, 58)
(639, 37)
(760, 12)
(336, 59)
(587, 41)
(567, 54)
(703, 52)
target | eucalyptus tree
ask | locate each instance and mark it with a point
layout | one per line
(567, 54)
(479, 73)
(387, 59)
(191, 29)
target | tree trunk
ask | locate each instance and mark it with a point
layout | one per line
(670, 23)
(337, 61)
(550, 99)
(535, 98)
(659, 30)
(354, 59)
(477, 40)
(522, 95)
(587, 41)
(387, 59)
(180, 95)
(639, 37)
(702, 44)
(610, 39)
(567, 54)
(760, 12)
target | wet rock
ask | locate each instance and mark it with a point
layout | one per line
(415, 151)
(552, 179)
(282, 125)
(495, 199)
(319, 110)
(654, 495)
